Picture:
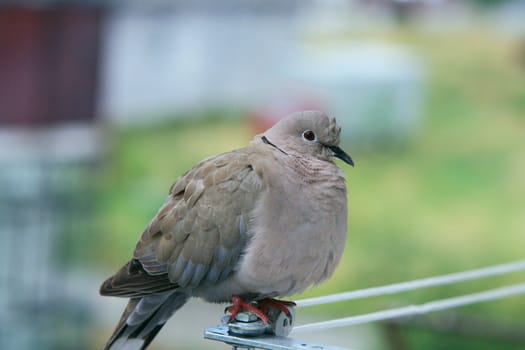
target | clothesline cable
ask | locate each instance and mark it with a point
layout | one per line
(452, 278)
(411, 310)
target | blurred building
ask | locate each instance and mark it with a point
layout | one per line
(178, 57)
(49, 147)
(264, 60)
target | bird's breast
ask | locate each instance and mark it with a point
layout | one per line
(298, 235)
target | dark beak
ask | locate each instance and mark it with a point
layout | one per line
(339, 153)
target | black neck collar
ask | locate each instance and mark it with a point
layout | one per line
(266, 141)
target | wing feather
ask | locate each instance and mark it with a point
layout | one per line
(198, 234)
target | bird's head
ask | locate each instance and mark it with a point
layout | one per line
(312, 133)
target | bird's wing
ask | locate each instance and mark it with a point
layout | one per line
(198, 234)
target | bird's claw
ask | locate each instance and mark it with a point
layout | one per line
(240, 305)
(260, 308)
(281, 305)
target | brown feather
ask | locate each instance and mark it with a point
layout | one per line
(190, 233)
(133, 281)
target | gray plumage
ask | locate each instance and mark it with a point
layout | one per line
(264, 221)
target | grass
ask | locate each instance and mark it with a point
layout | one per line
(451, 198)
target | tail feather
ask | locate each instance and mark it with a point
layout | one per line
(142, 320)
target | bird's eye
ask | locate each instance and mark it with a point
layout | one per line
(309, 136)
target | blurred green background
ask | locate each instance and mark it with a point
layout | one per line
(443, 195)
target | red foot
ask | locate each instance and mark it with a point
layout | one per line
(240, 305)
(261, 309)
(276, 304)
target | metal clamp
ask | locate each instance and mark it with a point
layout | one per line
(265, 341)
(247, 324)
(248, 332)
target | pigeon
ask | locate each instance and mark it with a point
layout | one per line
(257, 223)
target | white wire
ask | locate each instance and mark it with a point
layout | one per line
(437, 305)
(417, 284)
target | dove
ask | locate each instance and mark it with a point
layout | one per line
(261, 222)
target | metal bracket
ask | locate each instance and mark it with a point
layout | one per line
(248, 332)
(265, 341)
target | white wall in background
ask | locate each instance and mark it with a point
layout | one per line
(159, 63)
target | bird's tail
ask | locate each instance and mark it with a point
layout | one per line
(142, 320)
